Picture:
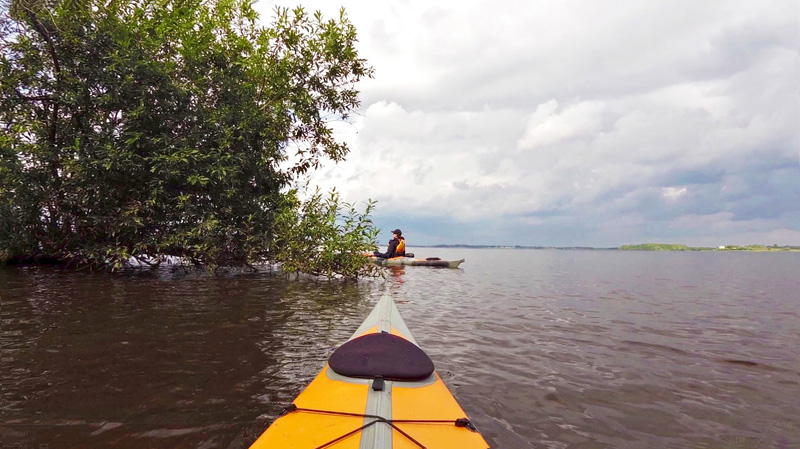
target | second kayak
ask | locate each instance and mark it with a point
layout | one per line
(429, 262)
(379, 390)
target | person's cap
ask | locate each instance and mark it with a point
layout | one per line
(397, 231)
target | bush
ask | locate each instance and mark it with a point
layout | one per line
(324, 236)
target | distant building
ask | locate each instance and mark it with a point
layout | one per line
(722, 247)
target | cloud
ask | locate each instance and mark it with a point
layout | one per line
(561, 123)
(547, 127)
(673, 193)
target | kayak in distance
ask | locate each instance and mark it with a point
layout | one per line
(410, 260)
(379, 390)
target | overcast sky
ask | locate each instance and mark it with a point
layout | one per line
(575, 123)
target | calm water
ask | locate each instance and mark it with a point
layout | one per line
(544, 349)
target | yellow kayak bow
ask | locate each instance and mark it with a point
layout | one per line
(379, 390)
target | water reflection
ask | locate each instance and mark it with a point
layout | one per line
(186, 360)
(395, 278)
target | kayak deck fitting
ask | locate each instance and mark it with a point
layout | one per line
(379, 390)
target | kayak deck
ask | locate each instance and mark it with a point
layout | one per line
(337, 411)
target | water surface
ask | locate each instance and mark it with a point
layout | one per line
(543, 348)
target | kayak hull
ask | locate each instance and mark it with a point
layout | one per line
(356, 403)
(401, 261)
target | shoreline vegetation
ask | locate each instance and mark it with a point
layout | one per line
(636, 247)
(134, 134)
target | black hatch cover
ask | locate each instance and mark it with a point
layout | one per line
(382, 354)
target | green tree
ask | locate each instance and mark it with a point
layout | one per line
(136, 128)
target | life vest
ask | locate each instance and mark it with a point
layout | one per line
(401, 247)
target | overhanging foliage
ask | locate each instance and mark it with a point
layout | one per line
(160, 128)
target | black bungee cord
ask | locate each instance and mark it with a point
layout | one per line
(460, 422)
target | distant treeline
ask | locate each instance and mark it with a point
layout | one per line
(461, 245)
(680, 247)
(659, 247)
(638, 247)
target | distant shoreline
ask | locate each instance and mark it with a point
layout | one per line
(637, 247)
(511, 247)
(721, 248)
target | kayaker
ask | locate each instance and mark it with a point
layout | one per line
(397, 246)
